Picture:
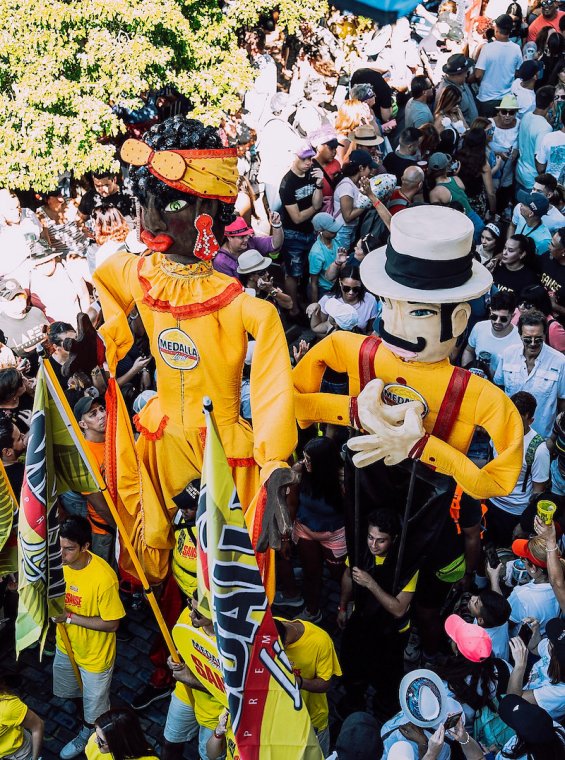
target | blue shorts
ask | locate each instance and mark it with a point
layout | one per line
(295, 250)
(181, 725)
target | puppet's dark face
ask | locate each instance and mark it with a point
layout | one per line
(171, 230)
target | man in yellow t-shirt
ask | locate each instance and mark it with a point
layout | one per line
(21, 730)
(93, 610)
(196, 643)
(314, 661)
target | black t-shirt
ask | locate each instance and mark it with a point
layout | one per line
(514, 282)
(21, 415)
(299, 191)
(553, 277)
(383, 93)
(395, 164)
(91, 199)
(15, 473)
(25, 333)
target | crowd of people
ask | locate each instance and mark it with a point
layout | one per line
(344, 128)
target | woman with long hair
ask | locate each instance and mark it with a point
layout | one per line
(551, 47)
(515, 268)
(348, 289)
(346, 208)
(21, 729)
(448, 110)
(118, 733)
(319, 529)
(519, 26)
(537, 737)
(475, 172)
(429, 142)
(351, 114)
(491, 244)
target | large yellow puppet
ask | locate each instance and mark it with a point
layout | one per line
(198, 322)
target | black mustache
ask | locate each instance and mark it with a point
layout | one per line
(394, 340)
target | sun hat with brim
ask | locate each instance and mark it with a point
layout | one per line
(521, 548)
(508, 103)
(457, 64)
(428, 259)
(323, 221)
(472, 641)
(238, 228)
(46, 256)
(531, 722)
(344, 314)
(424, 699)
(252, 261)
(365, 137)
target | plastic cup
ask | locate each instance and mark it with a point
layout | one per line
(546, 510)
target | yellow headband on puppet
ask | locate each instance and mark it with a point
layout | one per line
(206, 173)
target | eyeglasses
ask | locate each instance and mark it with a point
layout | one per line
(499, 318)
(349, 289)
(560, 97)
(504, 112)
(101, 742)
(532, 341)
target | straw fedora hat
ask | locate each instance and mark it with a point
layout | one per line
(428, 259)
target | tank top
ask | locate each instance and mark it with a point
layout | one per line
(457, 193)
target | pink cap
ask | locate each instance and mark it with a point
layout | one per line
(238, 228)
(472, 641)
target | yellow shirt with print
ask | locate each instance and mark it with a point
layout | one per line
(92, 751)
(314, 656)
(92, 592)
(207, 708)
(183, 562)
(12, 714)
(409, 588)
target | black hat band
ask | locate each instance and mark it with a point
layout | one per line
(423, 274)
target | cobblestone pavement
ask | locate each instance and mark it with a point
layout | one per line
(32, 678)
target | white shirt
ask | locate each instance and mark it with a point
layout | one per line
(551, 151)
(517, 501)
(546, 382)
(550, 697)
(345, 188)
(499, 61)
(500, 637)
(535, 600)
(483, 341)
(526, 98)
(533, 127)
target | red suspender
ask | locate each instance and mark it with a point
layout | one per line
(367, 352)
(451, 403)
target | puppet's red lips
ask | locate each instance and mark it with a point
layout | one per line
(159, 243)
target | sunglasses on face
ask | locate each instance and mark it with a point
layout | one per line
(101, 742)
(532, 341)
(350, 289)
(504, 112)
(499, 318)
(560, 97)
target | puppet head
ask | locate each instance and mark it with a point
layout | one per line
(186, 183)
(425, 277)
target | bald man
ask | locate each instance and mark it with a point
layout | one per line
(411, 185)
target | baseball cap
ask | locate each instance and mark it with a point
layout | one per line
(457, 64)
(521, 549)
(531, 722)
(527, 70)
(10, 288)
(363, 158)
(359, 738)
(324, 221)
(472, 641)
(83, 405)
(504, 22)
(555, 632)
(304, 150)
(238, 228)
(438, 161)
(324, 136)
(536, 202)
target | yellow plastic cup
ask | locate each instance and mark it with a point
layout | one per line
(546, 510)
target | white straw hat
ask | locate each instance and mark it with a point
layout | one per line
(429, 259)
(252, 261)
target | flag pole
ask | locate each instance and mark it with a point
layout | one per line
(70, 654)
(92, 465)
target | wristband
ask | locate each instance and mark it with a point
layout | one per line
(69, 619)
(339, 263)
(218, 736)
(376, 203)
(552, 550)
(467, 740)
(276, 226)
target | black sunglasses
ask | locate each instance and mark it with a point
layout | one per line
(350, 289)
(504, 112)
(532, 341)
(498, 318)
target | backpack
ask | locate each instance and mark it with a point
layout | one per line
(536, 441)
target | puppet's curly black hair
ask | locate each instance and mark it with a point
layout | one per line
(175, 133)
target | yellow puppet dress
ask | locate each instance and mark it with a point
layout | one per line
(197, 321)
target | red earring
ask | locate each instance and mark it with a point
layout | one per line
(206, 244)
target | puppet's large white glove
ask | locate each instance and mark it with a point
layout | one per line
(393, 431)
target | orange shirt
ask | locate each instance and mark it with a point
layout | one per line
(93, 516)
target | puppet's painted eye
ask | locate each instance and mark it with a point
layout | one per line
(177, 205)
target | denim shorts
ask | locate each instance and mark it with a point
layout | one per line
(295, 250)
(95, 686)
(181, 725)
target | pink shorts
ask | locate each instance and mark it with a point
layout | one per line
(332, 540)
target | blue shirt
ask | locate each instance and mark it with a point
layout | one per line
(319, 259)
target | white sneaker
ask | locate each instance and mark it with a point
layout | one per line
(77, 745)
(305, 615)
